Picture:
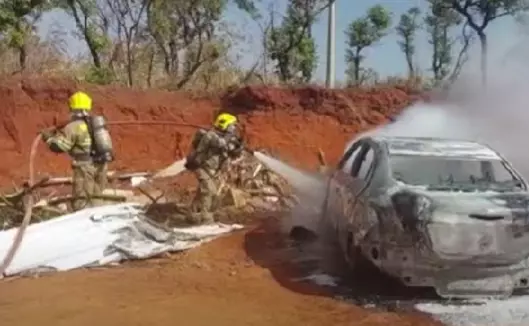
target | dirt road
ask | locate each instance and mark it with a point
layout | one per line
(241, 279)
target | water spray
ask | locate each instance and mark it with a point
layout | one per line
(310, 190)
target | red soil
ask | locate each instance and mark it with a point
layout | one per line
(293, 123)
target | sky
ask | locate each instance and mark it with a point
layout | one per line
(385, 57)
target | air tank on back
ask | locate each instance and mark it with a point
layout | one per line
(102, 142)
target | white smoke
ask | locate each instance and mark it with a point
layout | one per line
(497, 116)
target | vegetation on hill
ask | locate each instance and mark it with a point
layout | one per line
(189, 44)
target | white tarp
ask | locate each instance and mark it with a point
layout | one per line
(99, 236)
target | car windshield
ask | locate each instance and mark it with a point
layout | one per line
(458, 174)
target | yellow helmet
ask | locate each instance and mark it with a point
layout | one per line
(224, 120)
(80, 101)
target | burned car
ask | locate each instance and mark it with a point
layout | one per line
(448, 214)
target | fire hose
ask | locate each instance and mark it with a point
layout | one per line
(28, 209)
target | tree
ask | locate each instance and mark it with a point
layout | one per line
(265, 26)
(466, 38)
(43, 56)
(17, 23)
(406, 29)
(176, 26)
(291, 44)
(439, 22)
(363, 33)
(478, 14)
(129, 16)
(264, 19)
(249, 7)
(94, 27)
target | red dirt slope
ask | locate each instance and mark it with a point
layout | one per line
(293, 123)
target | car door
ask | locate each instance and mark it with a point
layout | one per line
(358, 214)
(352, 179)
(339, 193)
(363, 168)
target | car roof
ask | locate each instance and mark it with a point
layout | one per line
(423, 146)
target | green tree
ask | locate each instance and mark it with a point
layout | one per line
(178, 26)
(361, 34)
(478, 14)
(94, 28)
(439, 22)
(407, 28)
(17, 22)
(291, 44)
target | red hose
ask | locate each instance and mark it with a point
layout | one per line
(19, 236)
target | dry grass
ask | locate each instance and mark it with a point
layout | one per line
(49, 59)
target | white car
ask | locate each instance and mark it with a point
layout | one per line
(448, 214)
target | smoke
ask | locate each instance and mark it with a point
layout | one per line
(497, 116)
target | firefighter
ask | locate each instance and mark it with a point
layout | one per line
(76, 138)
(210, 151)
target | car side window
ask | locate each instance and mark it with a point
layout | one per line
(349, 163)
(366, 164)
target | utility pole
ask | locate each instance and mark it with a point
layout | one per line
(331, 46)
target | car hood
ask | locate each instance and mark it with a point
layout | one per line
(482, 203)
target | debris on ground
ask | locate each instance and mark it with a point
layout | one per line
(112, 233)
(52, 198)
(247, 185)
(99, 236)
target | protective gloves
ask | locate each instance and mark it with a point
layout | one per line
(46, 134)
(191, 164)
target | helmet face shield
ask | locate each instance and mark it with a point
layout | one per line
(75, 114)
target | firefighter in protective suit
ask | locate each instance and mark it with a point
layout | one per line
(210, 150)
(89, 175)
